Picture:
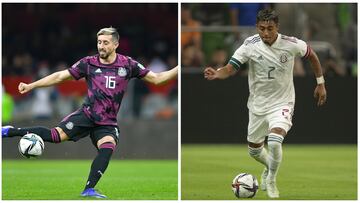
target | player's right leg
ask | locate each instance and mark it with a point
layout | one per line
(260, 154)
(257, 131)
(5, 130)
(54, 135)
(73, 127)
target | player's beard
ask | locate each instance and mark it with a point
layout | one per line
(103, 54)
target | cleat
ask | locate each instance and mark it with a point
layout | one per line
(263, 179)
(5, 130)
(271, 189)
(91, 192)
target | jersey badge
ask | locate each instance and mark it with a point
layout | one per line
(122, 72)
(283, 58)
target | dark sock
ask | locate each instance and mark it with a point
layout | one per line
(46, 134)
(100, 164)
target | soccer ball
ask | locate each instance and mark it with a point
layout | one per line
(245, 185)
(31, 145)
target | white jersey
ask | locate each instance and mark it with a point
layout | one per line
(270, 71)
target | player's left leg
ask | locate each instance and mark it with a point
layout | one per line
(275, 140)
(106, 145)
(279, 124)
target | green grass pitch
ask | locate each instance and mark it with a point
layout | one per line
(65, 179)
(308, 172)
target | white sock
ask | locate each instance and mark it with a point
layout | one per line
(260, 154)
(275, 154)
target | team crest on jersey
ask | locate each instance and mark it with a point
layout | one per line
(122, 72)
(283, 58)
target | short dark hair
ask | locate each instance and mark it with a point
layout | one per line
(110, 31)
(267, 15)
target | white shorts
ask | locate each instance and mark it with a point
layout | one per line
(260, 125)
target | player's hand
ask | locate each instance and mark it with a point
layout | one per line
(210, 73)
(320, 94)
(23, 88)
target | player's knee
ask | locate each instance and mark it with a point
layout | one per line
(279, 131)
(109, 146)
(58, 135)
(107, 141)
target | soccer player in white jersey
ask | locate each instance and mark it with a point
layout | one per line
(270, 56)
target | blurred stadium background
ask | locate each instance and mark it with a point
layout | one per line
(214, 115)
(40, 38)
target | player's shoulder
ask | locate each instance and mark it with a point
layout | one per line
(93, 59)
(127, 61)
(83, 61)
(252, 40)
(289, 39)
(123, 58)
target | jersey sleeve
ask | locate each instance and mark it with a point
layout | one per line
(79, 69)
(240, 56)
(137, 69)
(301, 48)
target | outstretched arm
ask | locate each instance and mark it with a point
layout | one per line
(221, 73)
(49, 80)
(159, 78)
(320, 90)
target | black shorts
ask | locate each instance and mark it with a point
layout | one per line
(77, 125)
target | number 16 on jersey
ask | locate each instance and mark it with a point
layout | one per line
(110, 82)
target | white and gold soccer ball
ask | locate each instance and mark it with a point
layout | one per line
(245, 185)
(31, 145)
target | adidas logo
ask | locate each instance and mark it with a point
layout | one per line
(260, 57)
(98, 70)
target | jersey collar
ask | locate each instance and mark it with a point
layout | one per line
(95, 61)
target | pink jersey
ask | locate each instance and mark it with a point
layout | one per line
(107, 84)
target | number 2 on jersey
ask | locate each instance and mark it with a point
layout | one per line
(110, 82)
(269, 73)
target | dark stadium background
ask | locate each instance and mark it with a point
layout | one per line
(41, 38)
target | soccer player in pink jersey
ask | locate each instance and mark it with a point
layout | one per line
(107, 75)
